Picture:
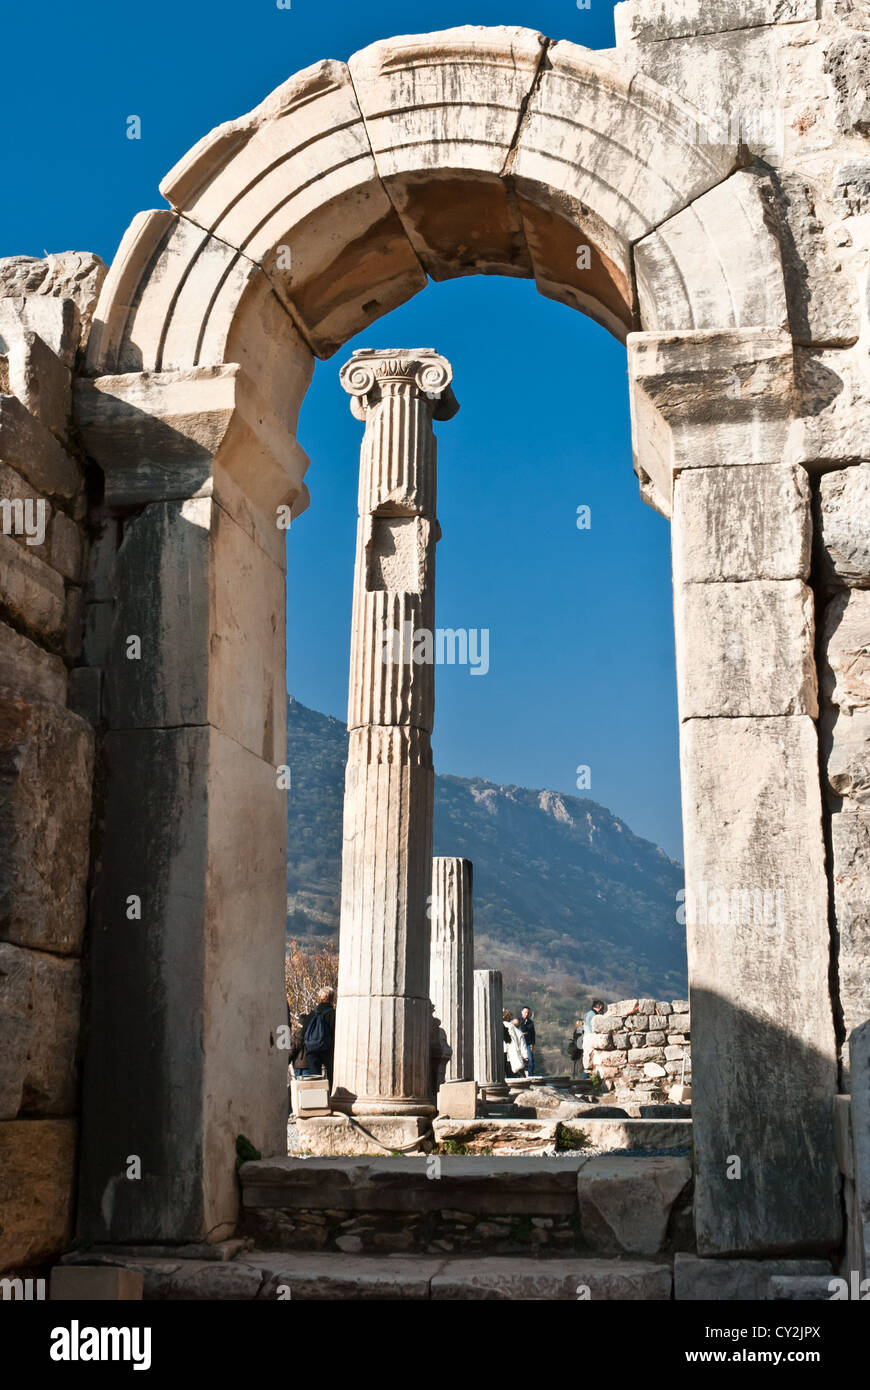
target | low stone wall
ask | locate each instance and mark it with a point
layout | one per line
(46, 746)
(564, 1204)
(643, 1045)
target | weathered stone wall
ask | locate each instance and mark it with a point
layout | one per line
(46, 748)
(643, 1045)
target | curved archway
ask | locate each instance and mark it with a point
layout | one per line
(491, 151)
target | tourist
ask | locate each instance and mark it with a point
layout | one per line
(526, 1025)
(319, 1036)
(575, 1046)
(598, 1007)
(440, 1053)
(516, 1052)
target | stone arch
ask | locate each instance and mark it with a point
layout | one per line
(472, 151)
(492, 151)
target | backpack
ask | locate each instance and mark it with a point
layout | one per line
(316, 1035)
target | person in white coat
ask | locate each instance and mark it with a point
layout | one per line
(516, 1051)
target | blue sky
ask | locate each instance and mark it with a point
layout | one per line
(581, 628)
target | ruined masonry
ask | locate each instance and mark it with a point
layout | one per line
(714, 165)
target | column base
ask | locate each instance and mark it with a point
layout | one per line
(386, 1106)
(330, 1136)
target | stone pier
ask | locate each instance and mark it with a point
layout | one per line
(384, 1016)
(451, 960)
(488, 1044)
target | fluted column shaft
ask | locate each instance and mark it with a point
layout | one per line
(383, 1024)
(488, 1031)
(451, 961)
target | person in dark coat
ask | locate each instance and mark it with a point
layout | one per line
(526, 1025)
(319, 1036)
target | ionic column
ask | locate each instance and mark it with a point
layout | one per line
(383, 1028)
(488, 1032)
(451, 961)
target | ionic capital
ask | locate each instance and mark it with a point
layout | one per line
(373, 374)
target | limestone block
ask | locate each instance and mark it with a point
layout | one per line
(764, 1012)
(845, 676)
(739, 628)
(499, 1136)
(86, 693)
(646, 1007)
(67, 540)
(333, 1277)
(209, 431)
(57, 322)
(640, 1021)
(843, 1136)
(833, 406)
(821, 285)
(686, 270)
(203, 846)
(859, 1044)
(663, 1007)
(567, 143)
(546, 1280)
(623, 1008)
(602, 1023)
(187, 571)
(709, 400)
(655, 1039)
(32, 449)
(46, 757)
(674, 1054)
(844, 525)
(100, 570)
(27, 671)
(852, 188)
(457, 1100)
(297, 173)
(99, 1283)
(645, 21)
(40, 1000)
(337, 1135)
(847, 64)
(644, 1054)
(626, 1202)
(442, 113)
(653, 1069)
(850, 850)
(681, 1006)
(734, 1281)
(172, 1279)
(74, 276)
(37, 1170)
(800, 1288)
(621, 1041)
(736, 524)
(36, 376)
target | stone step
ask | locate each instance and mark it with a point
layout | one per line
(282, 1275)
(587, 1131)
(557, 1203)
